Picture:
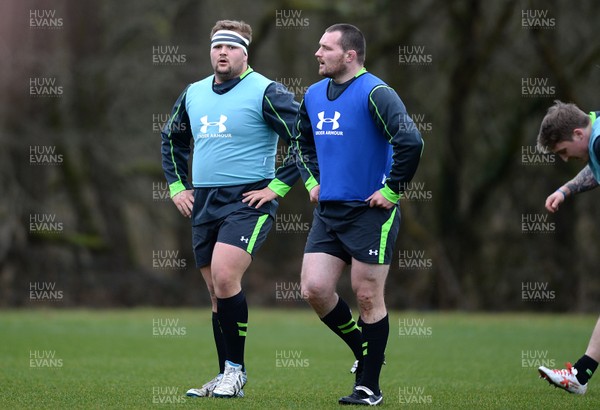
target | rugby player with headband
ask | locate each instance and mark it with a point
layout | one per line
(234, 118)
(230, 38)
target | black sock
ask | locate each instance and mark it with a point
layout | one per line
(219, 341)
(341, 322)
(586, 366)
(233, 318)
(359, 370)
(375, 336)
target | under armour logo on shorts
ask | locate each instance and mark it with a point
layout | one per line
(206, 124)
(373, 252)
(244, 239)
(334, 120)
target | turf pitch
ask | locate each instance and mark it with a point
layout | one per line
(148, 358)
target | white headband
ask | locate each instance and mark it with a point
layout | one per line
(230, 38)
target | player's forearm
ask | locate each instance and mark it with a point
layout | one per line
(584, 181)
(285, 177)
(175, 150)
(279, 110)
(175, 147)
(307, 163)
(305, 150)
(390, 116)
(175, 170)
(406, 158)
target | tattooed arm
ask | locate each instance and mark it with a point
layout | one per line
(584, 181)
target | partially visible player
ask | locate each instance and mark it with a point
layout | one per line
(360, 149)
(233, 117)
(570, 133)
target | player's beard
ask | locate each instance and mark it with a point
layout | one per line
(333, 69)
(228, 72)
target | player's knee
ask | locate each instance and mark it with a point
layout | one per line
(224, 283)
(366, 298)
(314, 291)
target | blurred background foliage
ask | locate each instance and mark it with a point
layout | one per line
(463, 229)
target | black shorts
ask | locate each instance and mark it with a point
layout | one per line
(354, 230)
(220, 216)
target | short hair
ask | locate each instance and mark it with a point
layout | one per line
(351, 39)
(238, 26)
(559, 123)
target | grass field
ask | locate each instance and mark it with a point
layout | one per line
(148, 358)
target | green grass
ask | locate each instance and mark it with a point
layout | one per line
(110, 359)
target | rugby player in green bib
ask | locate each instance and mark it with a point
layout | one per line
(234, 118)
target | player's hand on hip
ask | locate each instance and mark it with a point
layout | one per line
(554, 200)
(260, 197)
(314, 194)
(184, 201)
(379, 201)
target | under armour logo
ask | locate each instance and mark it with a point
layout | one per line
(244, 239)
(206, 124)
(373, 252)
(334, 120)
